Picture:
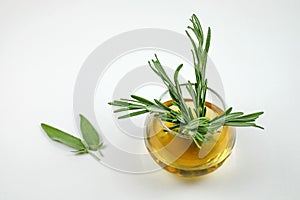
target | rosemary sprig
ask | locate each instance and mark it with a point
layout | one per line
(187, 122)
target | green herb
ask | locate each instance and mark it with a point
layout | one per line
(91, 138)
(65, 138)
(193, 123)
(89, 134)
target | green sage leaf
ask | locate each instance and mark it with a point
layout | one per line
(89, 134)
(64, 138)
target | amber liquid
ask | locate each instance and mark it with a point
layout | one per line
(179, 155)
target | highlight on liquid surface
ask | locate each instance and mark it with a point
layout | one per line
(179, 155)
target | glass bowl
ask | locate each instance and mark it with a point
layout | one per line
(177, 153)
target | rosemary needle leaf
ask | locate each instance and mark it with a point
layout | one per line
(251, 116)
(207, 40)
(142, 100)
(133, 114)
(239, 124)
(155, 108)
(64, 138)
(163, 106)
(89, 134)
(125, 109)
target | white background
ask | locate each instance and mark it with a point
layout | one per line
(255, 46)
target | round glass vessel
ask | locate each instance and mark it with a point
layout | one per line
(178, 154)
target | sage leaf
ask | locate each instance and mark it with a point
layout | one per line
(64, 138)
(89, 134)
